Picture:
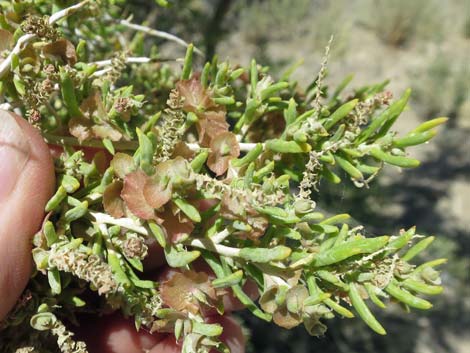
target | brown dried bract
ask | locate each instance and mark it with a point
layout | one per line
(63, 49)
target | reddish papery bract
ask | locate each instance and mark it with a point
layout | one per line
(112, 202)
(211, 124)
(178, 292)
(223, 148)
(122, 164)
(196, 97)
(133, 195)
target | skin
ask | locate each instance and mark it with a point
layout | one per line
(21, 215)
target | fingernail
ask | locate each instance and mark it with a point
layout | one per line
(14, 153)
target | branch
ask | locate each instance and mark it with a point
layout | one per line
(159, 34)
(72, 141)
(20, 45)
(67, 12)
(127, 223)
(130, 60)
(122, 145)
(208, 244)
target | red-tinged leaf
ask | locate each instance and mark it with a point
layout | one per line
(210, 125)
(178, 291)
(122, 164)
(157, 192)
(224, 147)
(112, 202)
(133, 195)
(176, 171)
(63, 49)
(196, 97)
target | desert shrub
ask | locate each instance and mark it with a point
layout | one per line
(169, 135)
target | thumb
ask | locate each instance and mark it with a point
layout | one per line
(26, 183)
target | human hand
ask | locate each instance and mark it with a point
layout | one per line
(26, 183)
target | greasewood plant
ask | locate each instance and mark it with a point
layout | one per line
(216, 163)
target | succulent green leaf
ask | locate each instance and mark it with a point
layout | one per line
(350, 248)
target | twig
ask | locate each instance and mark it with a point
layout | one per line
(159, 34)
(72, 141)
(67, 12)
(130, 60)
(127, 223)
(208, 244)
(321, 74)
(121, 145)
(20, 45)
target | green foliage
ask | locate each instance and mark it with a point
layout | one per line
(176, 138)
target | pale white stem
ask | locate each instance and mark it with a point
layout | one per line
(130, 60)
(101, 72)
(159, 34)
(66, 12)
(207, 244)
(276, 280)
(127, 223)
(25, 39)
(20, 45)
(220, 237)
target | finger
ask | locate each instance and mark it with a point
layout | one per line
(26, 183)
(114, 334)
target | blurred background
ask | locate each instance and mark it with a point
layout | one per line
(422, 44)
